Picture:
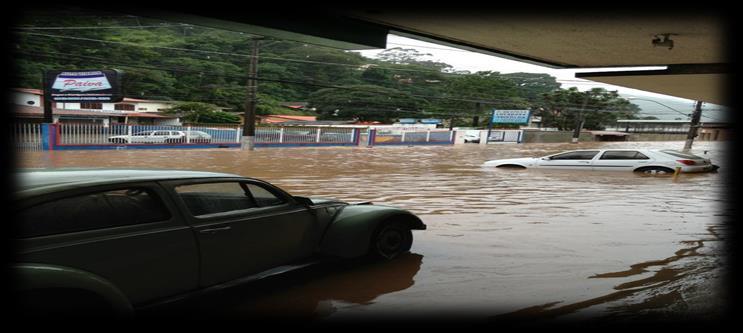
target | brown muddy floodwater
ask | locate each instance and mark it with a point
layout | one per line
(500, 244)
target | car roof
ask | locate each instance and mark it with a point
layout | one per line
(31, 182)
(613, 149)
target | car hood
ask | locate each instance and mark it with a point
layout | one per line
(520, 161)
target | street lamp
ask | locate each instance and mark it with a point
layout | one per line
(695, 117)
(656, 102)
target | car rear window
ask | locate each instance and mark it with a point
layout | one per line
(682, 155)
(92, 211)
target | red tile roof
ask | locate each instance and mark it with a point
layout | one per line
(279, 118)
(29, 90)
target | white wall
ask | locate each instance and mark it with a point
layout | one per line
(22, 98)
(168, 122)
(150, 106)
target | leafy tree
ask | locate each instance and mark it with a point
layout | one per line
(192, 63)
(597, 107)
(365, 102)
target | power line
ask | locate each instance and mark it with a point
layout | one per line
(501, 76)
(102, 27)
(107, 62)
(284, 81)
(211, 73)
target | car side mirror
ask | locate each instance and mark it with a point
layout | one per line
(304, 201)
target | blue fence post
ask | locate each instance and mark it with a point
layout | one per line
(370, 138)
(48, 136)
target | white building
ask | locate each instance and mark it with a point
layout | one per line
(30, 108)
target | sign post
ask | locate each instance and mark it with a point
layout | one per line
(518, 117)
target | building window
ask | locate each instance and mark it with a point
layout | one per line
(142, 109)
(124, 107)
(91, 105)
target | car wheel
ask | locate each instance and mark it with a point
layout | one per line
(510, 166)
(655, 171)
(391, 240)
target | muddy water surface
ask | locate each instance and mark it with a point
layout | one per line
(500, 243)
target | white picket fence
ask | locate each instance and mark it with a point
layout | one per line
(26, 137)
(97, 134)
(384, 136)
(302, 134)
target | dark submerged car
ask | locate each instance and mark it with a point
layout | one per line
(111, 241)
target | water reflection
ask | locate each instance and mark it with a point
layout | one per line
(320, 297)
(311, 293)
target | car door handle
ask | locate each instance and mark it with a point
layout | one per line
(214, 230)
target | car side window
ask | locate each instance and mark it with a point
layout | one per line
(263, 197)
(624, 155)
(211, 198)
(92, 211)
(576, 155)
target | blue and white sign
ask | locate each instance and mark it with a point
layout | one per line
(83, 85)
(511, 116)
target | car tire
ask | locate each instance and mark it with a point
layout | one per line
(390, 240)
(655, 171)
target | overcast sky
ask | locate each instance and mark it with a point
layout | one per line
(473, 62)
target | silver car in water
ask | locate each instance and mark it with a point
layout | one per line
(638, 160)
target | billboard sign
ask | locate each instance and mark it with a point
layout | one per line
(511, 116)
(83, 86)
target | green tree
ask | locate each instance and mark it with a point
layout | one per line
(365, 102)
(563, 108)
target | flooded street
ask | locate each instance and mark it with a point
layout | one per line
(500, 243)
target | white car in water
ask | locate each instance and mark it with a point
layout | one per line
(154, 136)
(637, 160)
(162, 136)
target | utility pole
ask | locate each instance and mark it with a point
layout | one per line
(579, 122)
(476, 119)
(248, 139)
(47, 98)
(490, 126)
(695, 118)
